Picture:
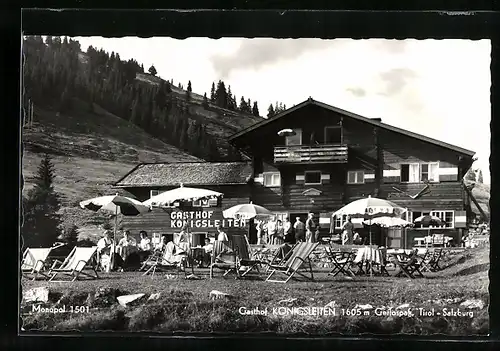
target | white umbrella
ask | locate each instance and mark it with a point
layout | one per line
(370, 208)
(117, 205)
(388, 222)
(181, 194)
(246, 211)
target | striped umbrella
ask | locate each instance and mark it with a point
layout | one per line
(428, 221)
(246, 211)
(116, 205)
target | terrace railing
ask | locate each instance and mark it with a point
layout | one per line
(320, 153)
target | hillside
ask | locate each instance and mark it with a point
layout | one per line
(90, 150)
(482, 194)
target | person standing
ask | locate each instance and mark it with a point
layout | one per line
(271, 230)
(288, 231)
(259, 227)
(299, 230)
(310, 228)
(348, 229)
(144, 245)
(221, 235)
(279, 239)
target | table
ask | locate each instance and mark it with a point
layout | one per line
(367, 256)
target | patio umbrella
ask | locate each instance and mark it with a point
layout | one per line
(181, 194)
(115, 204)
(427, 221)
(246, 211)
(388, 222)
(370, 208)
(286, 132)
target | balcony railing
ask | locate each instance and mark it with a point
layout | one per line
(322, 153)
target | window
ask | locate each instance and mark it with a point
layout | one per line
(153, 193)
(410, 173)
(340, 221)
(355, 177)
(294, 139)
(333, 135)
(272, 179)
(312, 177)
(415, 172)
(446, 216)
(429, 172)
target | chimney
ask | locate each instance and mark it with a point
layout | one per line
(376, 119)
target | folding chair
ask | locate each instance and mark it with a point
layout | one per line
(225, 258)
(408, 265)
(279, 254)
(241, 246)
(433, 262)
(383, 263)
(74, 265)
(342, 261)
(166, 260)
(34, 262)
(297, 257)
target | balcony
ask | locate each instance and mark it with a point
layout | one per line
(321, 153)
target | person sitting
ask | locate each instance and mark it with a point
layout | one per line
(207, 252)
(144, 245)
(357, 239)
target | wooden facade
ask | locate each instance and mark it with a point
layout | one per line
(335, 157)
(385, 159)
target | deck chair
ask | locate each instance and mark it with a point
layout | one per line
(171, 259)
(225, 258)
(279, 254)
(342, 261)
(295, 259)
(408, 265)
(433, 262)
(241, 246)
(383, 263)
(74, 265)
(34, 262)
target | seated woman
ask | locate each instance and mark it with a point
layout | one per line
(357, 239)
(127, 248)
(173, 254)
(144, 245)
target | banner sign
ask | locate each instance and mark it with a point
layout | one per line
(202, 219)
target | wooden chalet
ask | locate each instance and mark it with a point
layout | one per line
(331, 158)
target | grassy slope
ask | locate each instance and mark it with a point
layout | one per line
(90, 150)
(482, 194)
(185, 305)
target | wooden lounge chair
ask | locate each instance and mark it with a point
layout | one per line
(34, 262)
(433, 262)
(408, 265)
(295, 259)
(342, 261)
(225, 258)
(170, 259)
(279, 254)
(241, 246)
(74, 265)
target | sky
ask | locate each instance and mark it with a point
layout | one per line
(438, 88)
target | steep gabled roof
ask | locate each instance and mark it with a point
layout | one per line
(188, 173)
(374, 122)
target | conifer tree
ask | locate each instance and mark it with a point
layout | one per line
(255, 109)
(480, 176)
(205, 101)
(212, 93)
(189, 89)
(40, 218)
(270, 111)
(152, 70)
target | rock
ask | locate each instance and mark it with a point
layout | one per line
(40, 294)
(288, 301)
(126, 299)
(154, 297)
(215, 294)
(332, 304)
(406, 305)
(364, 307)
(472, 304)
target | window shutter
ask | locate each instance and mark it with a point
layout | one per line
(212, 202)
(324, 220)
(325, 178)
(448, 174)
(369, 176)
(300, 179)
(460, 219)
(392, 175)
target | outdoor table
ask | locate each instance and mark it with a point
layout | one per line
(367, 256)
(196, 255)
